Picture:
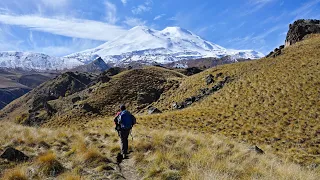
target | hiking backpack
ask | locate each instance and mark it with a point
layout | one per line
(126, 120)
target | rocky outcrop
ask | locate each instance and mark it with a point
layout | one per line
(276, 52)
(203, 92)
(12, 154)
(300, 28)
(209, 79)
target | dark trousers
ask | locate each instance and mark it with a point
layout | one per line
(124, 134)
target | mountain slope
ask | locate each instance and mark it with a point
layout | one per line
(15, 82)
(273, 102)
(73, 97)
(270, 102)
(36, 61)
(148, 46)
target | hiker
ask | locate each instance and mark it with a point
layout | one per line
(124, 121)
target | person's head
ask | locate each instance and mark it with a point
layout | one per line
(122, 107)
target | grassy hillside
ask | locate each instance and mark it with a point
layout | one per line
(78, 97)
(274, 102)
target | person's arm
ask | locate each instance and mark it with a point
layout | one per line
(115, 120)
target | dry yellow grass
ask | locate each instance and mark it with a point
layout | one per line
(59, 153)
(15, 174)
(157, 154)
(181, 154)
(49, 165)
(274, 102)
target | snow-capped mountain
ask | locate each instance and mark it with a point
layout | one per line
(138, 45)
(36, 61)
(147, 45)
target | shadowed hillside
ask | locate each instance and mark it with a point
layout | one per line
(77, 97)
(14, 83)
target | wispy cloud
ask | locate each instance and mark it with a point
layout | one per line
(111, 12)
(256, 5)
(305, 7)
(131, 21)
(158, 17)
(145, 7)
(258, 40)
(274, 19)
(124, 2)
(78, 28)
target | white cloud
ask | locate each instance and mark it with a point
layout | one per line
(131, 21)
(158, 17)
(142, 7)
(124, 2)
(111, 12)
(78, 28)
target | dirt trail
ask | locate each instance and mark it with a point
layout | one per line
(128, 169)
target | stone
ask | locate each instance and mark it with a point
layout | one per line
(219, 74)
(209, 79)
(75, 99)
(153, 110)
(12, 154)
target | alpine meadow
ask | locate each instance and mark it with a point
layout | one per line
(85, 98)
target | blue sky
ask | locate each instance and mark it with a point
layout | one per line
(61, 27)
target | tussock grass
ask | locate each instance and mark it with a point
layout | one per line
(49, 165)
(274, 102)
(15, 174)
(56, 153)
(157, 154)
(162, 154)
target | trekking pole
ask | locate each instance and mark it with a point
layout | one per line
(131, 134)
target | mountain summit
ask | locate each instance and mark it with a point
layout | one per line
(145, 45)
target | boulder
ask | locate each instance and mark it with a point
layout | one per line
(153, 110)
(219, 74)
(12, 154)
(209, 79)
(178, 105)
(75, 99)
(204, 91)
